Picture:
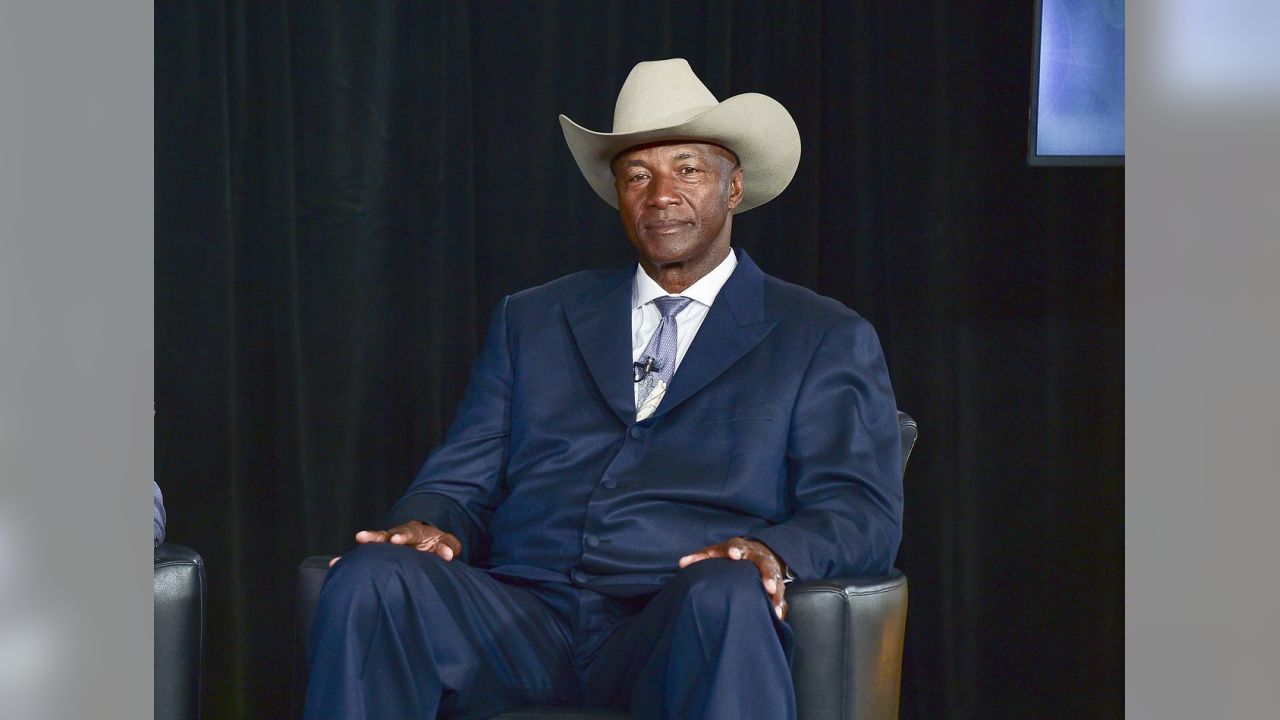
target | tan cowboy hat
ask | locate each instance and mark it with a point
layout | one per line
(664, 100)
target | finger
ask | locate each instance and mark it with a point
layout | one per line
(412, 533)
(426, 545)
(770, 575)
(776, 589)
(740, 549)
(367, 536)
(414, 540)
(703, 554)
(444, 551)
(450, 542)
(334, 560)
(770, 585)
(769, 569)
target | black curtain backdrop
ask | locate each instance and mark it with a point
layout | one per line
(345, 190)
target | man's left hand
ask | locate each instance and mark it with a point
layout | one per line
(766, 562)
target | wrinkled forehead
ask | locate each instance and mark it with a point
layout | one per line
(666, 150)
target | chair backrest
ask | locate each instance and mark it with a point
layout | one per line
(910, 431)
(179, 618)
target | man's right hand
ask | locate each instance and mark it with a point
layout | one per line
(418, 535)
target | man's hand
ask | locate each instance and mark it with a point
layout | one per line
(419, 535)
(766, 562)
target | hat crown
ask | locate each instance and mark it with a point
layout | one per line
(663, 101)
(660, 93)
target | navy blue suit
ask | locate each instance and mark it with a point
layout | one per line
(780, 425)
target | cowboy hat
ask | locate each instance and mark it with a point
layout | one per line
(664, 100)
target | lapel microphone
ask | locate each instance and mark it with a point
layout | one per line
(643, 367)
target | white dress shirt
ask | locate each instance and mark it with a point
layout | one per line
(645, 316)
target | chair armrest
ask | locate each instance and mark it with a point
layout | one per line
(311, 575)
(178, 622)
(848, 645)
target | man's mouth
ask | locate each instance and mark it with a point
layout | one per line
(664, 226)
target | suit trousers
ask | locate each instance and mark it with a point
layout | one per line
(400, 633)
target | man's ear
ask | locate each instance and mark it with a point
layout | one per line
(735, 187)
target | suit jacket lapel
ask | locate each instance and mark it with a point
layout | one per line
(600, 320)
(735, 324)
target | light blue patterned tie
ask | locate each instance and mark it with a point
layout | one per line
(658, 361)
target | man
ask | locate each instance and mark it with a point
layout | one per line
(641, 459)
(157, 513)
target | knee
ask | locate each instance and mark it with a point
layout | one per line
(362, 574)
(374, 561)
(719, 585)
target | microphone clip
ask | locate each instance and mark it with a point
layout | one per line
(643, 367)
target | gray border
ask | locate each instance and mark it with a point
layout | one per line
(75, 358)
(1202, 391)
(1202, 350)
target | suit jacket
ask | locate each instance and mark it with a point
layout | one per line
(780, 425)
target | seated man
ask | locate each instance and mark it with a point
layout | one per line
(642, 459)
(157, 514)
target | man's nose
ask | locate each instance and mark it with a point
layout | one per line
(662, 192)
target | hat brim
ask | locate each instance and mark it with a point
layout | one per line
(755, 127)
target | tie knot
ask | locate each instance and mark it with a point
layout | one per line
(670, 306)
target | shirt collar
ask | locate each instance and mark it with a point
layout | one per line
(645, 289)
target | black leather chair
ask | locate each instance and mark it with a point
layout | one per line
(848, 651)
(179, 631)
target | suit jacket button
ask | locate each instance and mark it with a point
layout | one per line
(609, 483)
(593, 541)
(636, 433)
(578, 576)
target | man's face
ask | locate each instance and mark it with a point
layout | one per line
(675, 199)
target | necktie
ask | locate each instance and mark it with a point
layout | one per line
(658, 361)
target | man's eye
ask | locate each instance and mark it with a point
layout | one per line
(687, 170)
(637, 177)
